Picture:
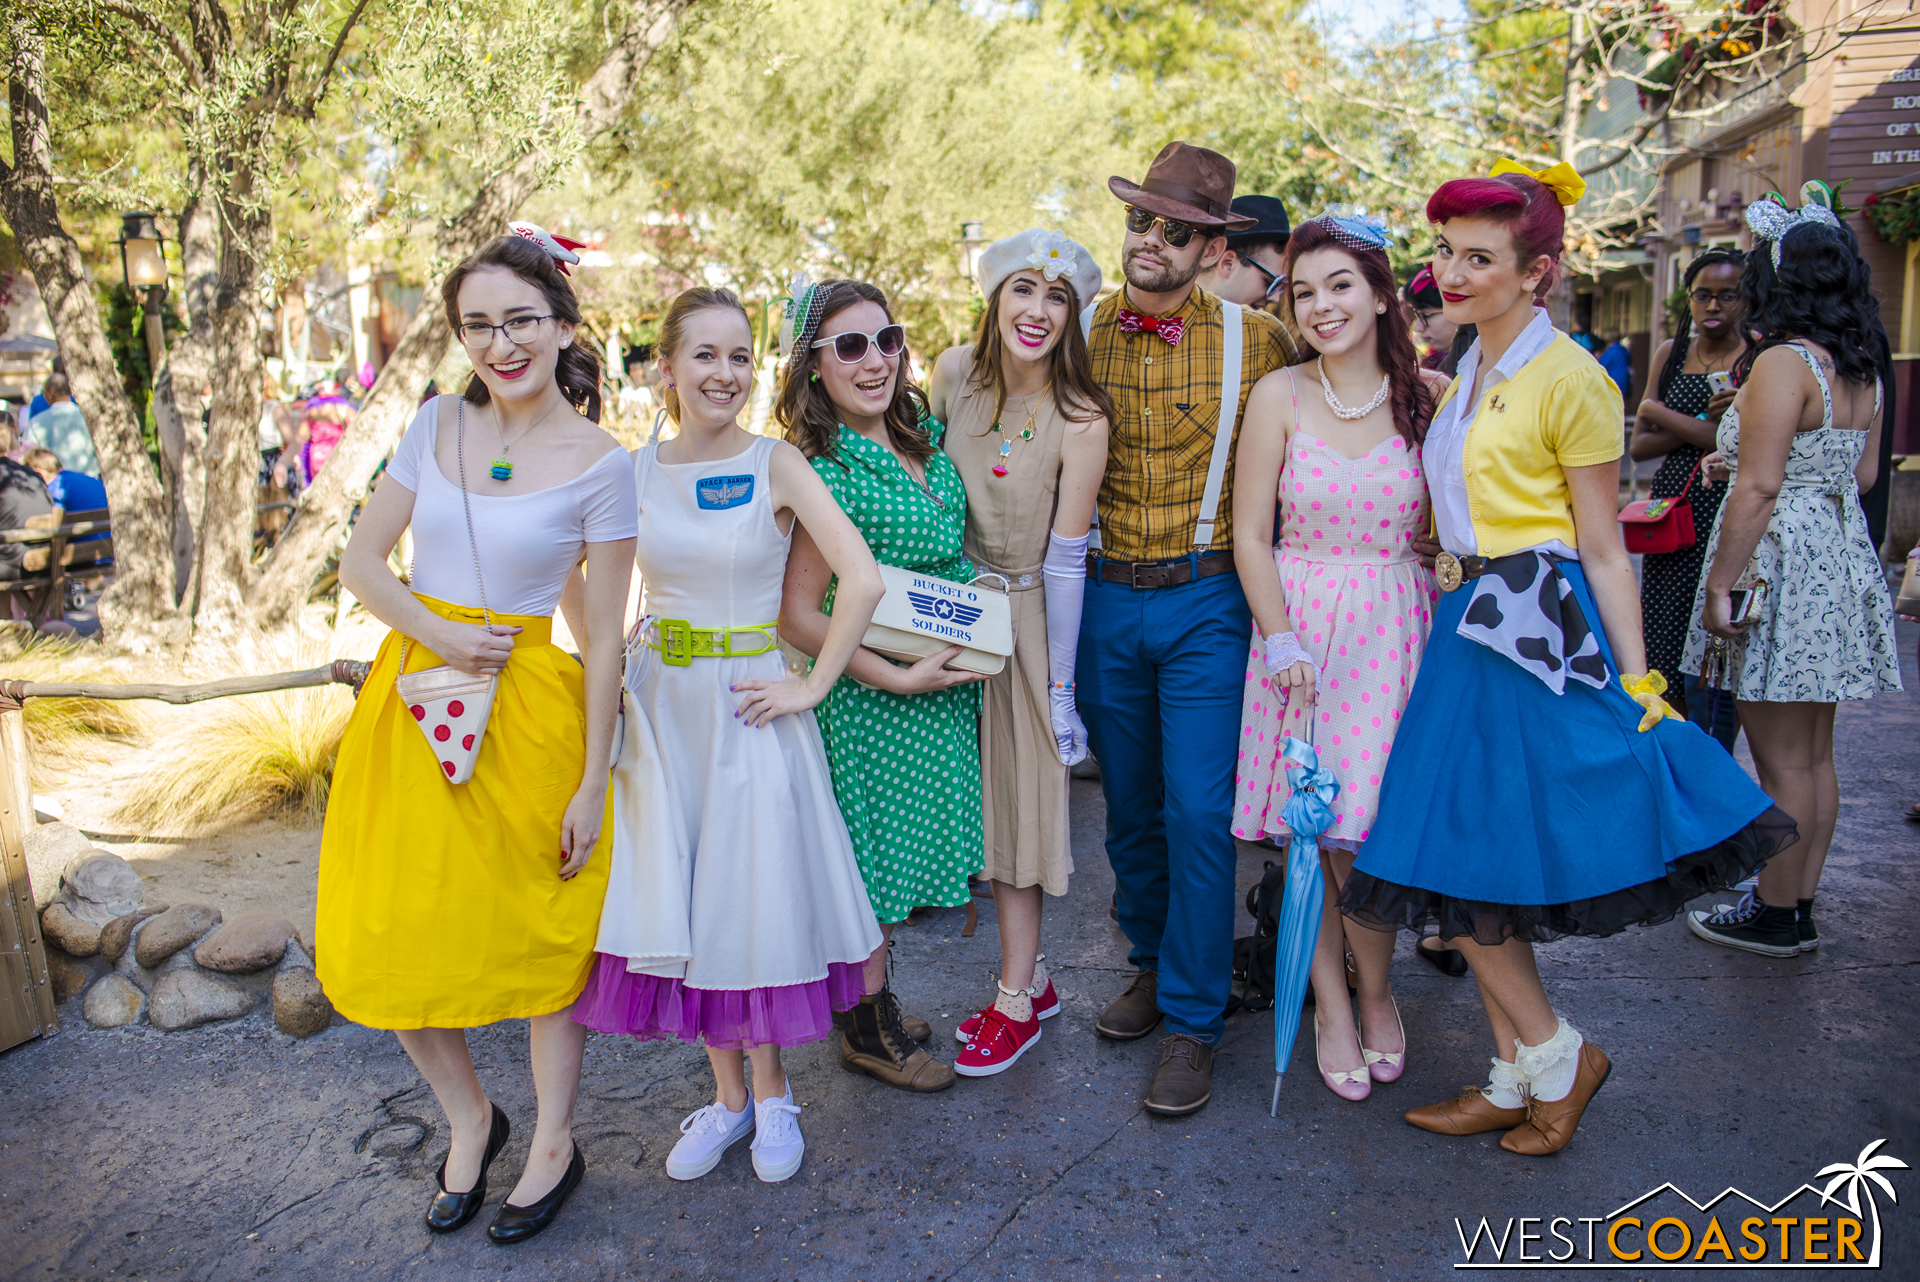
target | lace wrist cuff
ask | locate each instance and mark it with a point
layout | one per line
(1283, 651)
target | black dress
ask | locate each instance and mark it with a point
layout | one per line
(1669, 580)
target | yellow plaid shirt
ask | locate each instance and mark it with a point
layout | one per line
(1167, 405)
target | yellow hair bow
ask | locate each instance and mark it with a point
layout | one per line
(1563, 180)
(1645, 690)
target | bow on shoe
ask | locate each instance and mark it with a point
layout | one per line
(1167, 327)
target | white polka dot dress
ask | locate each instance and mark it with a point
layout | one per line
(1362, 606)
(906, 768)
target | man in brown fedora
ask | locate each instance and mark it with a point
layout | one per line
(1165, 632)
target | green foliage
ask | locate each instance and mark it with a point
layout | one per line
(1897, 217)
(126, 322)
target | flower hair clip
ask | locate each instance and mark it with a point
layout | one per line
(559, 248)
(1354, 229)
(1771, 220)
(1052, 254)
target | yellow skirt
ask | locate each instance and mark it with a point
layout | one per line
(441, 904)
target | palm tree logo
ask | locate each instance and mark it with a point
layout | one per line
(1855, 1175)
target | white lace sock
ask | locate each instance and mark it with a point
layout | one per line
(1503, 1085)
(1551, 1066)
(1040, 972)
(1015, 1003)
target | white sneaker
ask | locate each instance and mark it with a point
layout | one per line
(777, 1145)
(705, 1137)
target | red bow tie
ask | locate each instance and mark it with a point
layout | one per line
(1167, 327)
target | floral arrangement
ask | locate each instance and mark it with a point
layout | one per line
(1895, 217)
(1734, 33)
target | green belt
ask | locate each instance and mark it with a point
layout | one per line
(680, 643)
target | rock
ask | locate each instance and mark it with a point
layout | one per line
(68, 974)
(115, 935)
(133, 972)
(300, 1008)
(187, 999)
(99, 886)
(73, 936)
(50, 848)
(249, 942)
(166, 934)
(114, 1002)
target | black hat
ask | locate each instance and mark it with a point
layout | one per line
(1270, 221)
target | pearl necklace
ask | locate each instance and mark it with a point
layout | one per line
(1347, 413)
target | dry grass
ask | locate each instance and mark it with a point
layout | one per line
(244, 758)
(59, 730)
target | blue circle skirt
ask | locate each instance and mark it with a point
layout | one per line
(1512, 812)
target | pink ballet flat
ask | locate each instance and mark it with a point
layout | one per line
(1385, 1066)
(1349, 1084)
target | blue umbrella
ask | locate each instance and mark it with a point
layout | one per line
(1308, 813)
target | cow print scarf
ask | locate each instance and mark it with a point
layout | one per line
(1523, 607)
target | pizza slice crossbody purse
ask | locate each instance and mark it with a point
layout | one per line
(451, 707)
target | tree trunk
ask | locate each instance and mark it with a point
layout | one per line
(135, 608)
(320, 523)
(189, 385)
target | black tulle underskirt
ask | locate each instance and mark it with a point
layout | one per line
(1385, 905)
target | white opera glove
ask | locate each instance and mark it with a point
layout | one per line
(1283, 651)
(1065, 578)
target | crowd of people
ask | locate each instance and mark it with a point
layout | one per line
(1231, 505)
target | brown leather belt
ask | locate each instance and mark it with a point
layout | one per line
(1159, 574)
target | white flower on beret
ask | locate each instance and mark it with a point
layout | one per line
(1052, 253)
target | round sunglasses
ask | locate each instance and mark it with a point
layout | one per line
(1176, 234)
(851, 347)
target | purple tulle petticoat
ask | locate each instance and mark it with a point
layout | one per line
(652, 1008)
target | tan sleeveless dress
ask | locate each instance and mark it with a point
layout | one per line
(1008, 520)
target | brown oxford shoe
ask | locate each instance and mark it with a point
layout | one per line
(1551, 1123)
(1134, 1013)
(1184, 1081)
(1471, 1114)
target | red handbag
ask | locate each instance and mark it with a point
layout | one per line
(1661, 525)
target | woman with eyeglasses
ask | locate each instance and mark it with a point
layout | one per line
(902, 739)
(1430, 323)
(1027, 429)
(447, 904)
(1677, 423)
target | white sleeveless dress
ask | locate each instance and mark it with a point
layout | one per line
(735, 909)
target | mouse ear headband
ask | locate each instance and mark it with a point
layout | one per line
(558, 248)
(1771, 220)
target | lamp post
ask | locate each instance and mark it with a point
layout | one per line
(973, 243)
(143, 264)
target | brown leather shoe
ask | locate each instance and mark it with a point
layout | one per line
(1551, 1123)
(1471, 1114)
(1134, 1013)
(915, 1027)
(1184, 1081)
(876, 1044)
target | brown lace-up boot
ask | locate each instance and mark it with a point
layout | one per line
(876, 1044)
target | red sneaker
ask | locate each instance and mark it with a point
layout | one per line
(1046, 1004)
(997, 1043)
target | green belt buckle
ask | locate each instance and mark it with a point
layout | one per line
(729, 652)
(676, 642)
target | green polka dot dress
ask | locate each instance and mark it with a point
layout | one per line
(906, 768)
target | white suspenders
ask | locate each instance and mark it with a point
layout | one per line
(1229, 418)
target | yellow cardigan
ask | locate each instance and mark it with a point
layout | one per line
(1561, 410)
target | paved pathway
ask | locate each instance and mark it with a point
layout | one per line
(234, 1153)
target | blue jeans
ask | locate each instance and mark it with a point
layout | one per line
(1712, 711)
(1161, 672)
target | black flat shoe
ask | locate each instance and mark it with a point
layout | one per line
(518, 1223)
(449, 1212)
(1448, 961)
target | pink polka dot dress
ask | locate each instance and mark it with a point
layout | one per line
(1362, 606)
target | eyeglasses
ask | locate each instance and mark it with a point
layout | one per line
(1176, 234)
(478, 335)
(851, 347)
(1426, 318)
(1273, 282)
(1706, 298)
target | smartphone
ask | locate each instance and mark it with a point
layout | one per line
(1719, 380)
(1740, 605)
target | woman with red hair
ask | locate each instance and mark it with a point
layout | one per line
(1342, 600)
(1539, 786)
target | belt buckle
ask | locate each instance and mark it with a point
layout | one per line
(1133, 570)
(1446, 568)
(727, 650)
(676, 642)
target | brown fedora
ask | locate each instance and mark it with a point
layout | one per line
(1189, 185)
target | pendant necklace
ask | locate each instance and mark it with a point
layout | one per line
(1025, 433)
(1347, 413)
(502, 468)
